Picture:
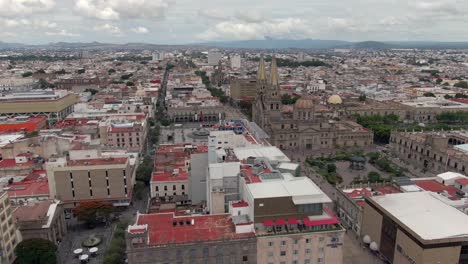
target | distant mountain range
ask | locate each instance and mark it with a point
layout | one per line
(269, 43)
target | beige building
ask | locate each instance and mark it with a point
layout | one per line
(127, 134)
(415, 227)
(104, 179)
(44, 219)
(55, 105)
(9, 234)
(306, 125)
(434, 152)
(243, 89)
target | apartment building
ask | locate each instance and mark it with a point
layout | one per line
(124, 133)
(96, 178)
(9, 234)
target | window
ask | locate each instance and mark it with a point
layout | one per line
(294, 262)
(307, 261)
(157, 188)
(320, 260)
(321, 239)
(283, 243)
(270, 254)
(283, 253)
(307, 240)
(173, 187)
(165, 187)
(321, 250)
(295, 252)
(296, 242)
(308, 250)
(270, 244)
(183, 187)
(245, 258)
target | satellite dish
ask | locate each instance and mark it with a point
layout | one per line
(374, 246)
(366, 239)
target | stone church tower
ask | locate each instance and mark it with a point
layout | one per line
(268, 100)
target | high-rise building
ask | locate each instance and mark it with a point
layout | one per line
(9, 234)
(236, 61)
(214, 57)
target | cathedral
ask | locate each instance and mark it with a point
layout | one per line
(308, 124)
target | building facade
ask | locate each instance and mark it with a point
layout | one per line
(305, 126)
(243, 89)
(104, 179)
(9, 234)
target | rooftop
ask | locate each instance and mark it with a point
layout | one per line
(165, 228)
(424, 214)
(33, 185)
(37, 211)
(98, 161)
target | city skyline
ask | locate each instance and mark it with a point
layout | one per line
(185, 22)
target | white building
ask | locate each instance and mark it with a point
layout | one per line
(236, 61)
(214, 57)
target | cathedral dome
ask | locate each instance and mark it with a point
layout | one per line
(335, 100)
(304, 104)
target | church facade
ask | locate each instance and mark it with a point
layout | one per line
(307, 125)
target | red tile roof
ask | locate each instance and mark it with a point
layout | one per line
(10, 163)
(240, 204)
(435, 186)
(35, 184)
(206, 228)
(169, 177)
(32, 212)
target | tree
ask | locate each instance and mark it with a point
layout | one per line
(27, 74)
(331, 168)
(81, 71)
(130, 83)
(165, 122)
(62, 71)
(439, 81)
(93, 212)
(139, 188)
(36, 251)
(362, 97)
(447, 96)
(111, 71)
(286, 99)
(373, 176)
(40, 71)
(145, 170)
(429, 94)
(461, 84)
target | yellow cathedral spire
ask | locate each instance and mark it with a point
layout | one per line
(261, 72)
(274, 77)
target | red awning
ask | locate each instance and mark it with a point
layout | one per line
(268, 223)
(293, 221)
(280, 222)
(329, 221)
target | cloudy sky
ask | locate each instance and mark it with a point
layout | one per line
(188, 21)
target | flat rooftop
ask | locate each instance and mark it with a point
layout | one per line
(425, 215)
(302, 190)
(271, 153)
(162, 230)
(97, 162)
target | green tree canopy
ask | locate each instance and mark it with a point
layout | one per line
(27, 74)
(36, 251)
(429, 95)
(93, 212)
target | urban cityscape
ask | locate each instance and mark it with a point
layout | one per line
(249, 145)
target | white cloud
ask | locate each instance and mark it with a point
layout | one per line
(249, 16)
(13, 8)
(62, 32)
(279, 28)
(109, 28)
(140, 30)
(119, 9)
(11, 23)
(214, 14)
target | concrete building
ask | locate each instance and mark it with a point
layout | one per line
(214, 57)
(9, 234)
(106, 179)
(305, 126)
(171, 238)
(243, 89)
(415, 227)
(44, 219)
(55, 105)
(236, 61)
(124, 133)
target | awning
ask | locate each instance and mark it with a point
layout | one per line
(293, 221)
(329, 221)
(268, 223)
(280, 222)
